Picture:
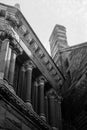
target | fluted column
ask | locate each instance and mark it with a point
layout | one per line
(52, 110)
(29, 67)
(42, 98)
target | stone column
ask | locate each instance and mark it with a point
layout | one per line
(41, 97)
(52, 112)
(59, 115)
(7, 64)
(21, 83)
(29, 67)
(16, 50)
(3, 56)
(36, 97)
(46, 108)
(12, 67)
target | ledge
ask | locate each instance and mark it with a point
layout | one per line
(20, 106)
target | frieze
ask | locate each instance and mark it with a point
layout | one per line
(45, 60)
(53, 72)
(22, 29)
(28, 37)
(40, 53)
(49, 66)
(20, 105)
(35, 46)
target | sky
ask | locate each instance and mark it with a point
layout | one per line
(43, 15)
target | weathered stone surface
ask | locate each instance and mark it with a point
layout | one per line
(24, 127)
(13, 119)
(2, 116)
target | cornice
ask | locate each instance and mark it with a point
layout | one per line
(43, 61)
(21, 106)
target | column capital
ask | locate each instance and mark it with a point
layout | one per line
(59, 99)
(5, 40)
(35, 83)
(52, 93)
(16, 47)
(23, 68)
(29, 65)
(41, 80)
(6, 34)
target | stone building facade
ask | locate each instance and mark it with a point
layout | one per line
(29, 79)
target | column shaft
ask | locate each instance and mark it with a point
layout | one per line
(3, 57)
(12, 67)
(36, 97)
(28, 85)
(42, 112)
(42, 99)
(29, 67)
(22, 82)
(20, 89)
(7, 64)
(59, 114)
(46, 108)
(52, 111)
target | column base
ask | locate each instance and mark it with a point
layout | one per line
(7, 85)
(2, 81)
(43, 117)
(11, 89)
(54, 128)
(29, 105)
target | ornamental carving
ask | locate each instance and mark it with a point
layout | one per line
(28, 37)
(45, 59)
(40, 54)
(22, 29)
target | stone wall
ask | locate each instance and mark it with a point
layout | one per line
(10, 119)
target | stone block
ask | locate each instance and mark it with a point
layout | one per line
(25, 127)
(2, 116)
(12, 122)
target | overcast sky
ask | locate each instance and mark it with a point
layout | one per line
(44, 14)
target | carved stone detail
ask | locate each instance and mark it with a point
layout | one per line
(29, 65)
(16, 47)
